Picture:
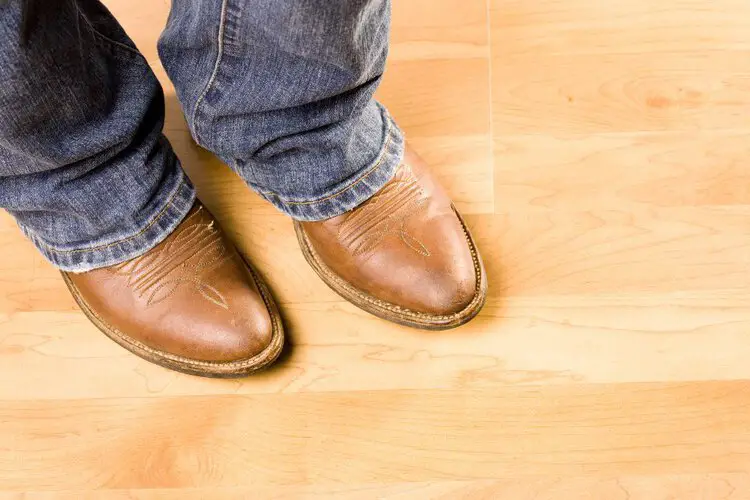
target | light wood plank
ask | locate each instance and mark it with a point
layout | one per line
(439, 29)
(573, 27)
(623, 172)
(580, 67)
(541, 340)
(731, 486)
(684, 91)
(375, 437)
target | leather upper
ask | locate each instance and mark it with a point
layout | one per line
(405, 245)
(192, 296)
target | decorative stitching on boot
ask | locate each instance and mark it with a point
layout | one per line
(158, 275)
(386, 213)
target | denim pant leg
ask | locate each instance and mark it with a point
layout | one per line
(282, 91)
(84, 168)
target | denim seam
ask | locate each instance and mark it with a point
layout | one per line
(214, 73)
(118, 242)
(231, 23)
(378, 163)
(103, 36)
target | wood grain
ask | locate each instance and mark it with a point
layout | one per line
(732, 486)
(381, 437)
(600, 152)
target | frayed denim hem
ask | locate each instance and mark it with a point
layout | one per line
(372, 177)
(106, 252)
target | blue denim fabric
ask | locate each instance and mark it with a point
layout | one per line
(281, 90)
(84, 167)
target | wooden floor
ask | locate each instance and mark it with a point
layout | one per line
(601, 152)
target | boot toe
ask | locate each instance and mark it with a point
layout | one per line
(445, 294)
(241, 338)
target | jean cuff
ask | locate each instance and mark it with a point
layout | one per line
(354, 191)
(108, 251)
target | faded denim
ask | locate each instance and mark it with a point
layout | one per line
(281, 90)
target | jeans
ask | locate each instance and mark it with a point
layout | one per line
(280, 90)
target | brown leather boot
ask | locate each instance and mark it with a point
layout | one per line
(191, 304)
(404, 255)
